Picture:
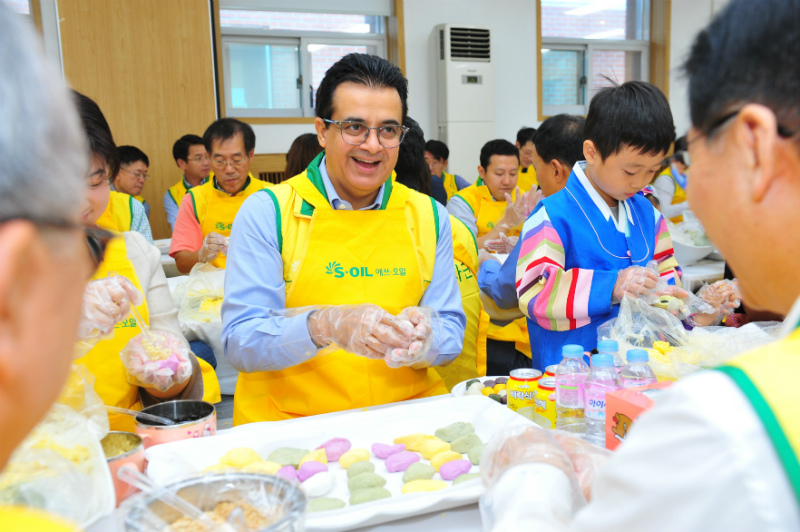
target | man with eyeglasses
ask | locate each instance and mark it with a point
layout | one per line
(719, 450)
(204, 224)
(123, 213)
(192, 158)
(132, 175)
(340, 290)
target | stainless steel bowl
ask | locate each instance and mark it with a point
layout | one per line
(148, 514)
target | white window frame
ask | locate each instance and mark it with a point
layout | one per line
(589, 46)
(230, 34)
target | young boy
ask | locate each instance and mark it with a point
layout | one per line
(436, 155)
(587, 245)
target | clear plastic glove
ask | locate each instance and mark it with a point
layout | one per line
(587, 459)
(522, 444)
(213, 245)
(517, 210)
(504, 244)
(724, 296)
(418, 355)
(484, 255)
(158, 360)
(106, 302)
(365, 330)
(634, 281)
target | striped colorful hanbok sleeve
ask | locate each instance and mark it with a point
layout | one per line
(554, 298)
(664, 255)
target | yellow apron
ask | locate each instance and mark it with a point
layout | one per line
(467, 365)
(118, 215)
(526, 179)
(487, 212)
(332, 257)
(215, 210)
(179, 189)
(768, 378)
(24, 519)
(450, 185)
(678, 197)
(103, 361)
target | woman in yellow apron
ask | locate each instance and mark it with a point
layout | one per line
(129, 256)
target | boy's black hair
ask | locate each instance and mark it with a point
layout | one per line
(95, 126)
(748, 54)
(497, 147)
(635, 114)
(438, 149)
(227, 128)
(370, 70)
(411, 168)
(560, 137)
(180, 150)
(526, 135)
(131, 154)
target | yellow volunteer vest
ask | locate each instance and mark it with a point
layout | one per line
(487, 211)
(103, 361)
(24, 519)
(450, 185)
(215, 209)
(768, 378)
(526, 179)
(332, 257)
(179, 189)
(678, 197)
(472, 360)
(118, 215)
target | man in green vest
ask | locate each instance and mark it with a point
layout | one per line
(719, 451)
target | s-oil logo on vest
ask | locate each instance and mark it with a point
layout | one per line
(339, 271)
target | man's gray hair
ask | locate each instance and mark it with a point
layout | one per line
(44, 154)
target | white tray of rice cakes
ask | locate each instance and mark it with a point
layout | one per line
(383, 463)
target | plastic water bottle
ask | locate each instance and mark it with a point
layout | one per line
(571, 375)
(602, 379)
(611, 347)
(637, 372)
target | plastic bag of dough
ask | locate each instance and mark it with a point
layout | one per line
(157, 359)
(199, 298)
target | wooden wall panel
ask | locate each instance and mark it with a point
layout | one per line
(148, 64)
(660, 23)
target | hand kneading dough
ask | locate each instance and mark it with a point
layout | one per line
(433, 447)
(263, 467)
(352, 456)
(442, 458)
(366, 480)
(240, 457)
(319, 455)
(287, 456)
(360, 467)
(418, 471)
(465, 443)
(413, 442)
(452, 432)
(475, 453)
(369, 494)
(423, 485)
(324, 504)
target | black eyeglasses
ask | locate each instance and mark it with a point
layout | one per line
(719, 122)
(96, 238)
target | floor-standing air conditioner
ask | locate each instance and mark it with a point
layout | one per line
(465, 94)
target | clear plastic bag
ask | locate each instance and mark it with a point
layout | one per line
(60, 467)
(199, 298)
(157, 359)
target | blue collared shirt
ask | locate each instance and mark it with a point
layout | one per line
(257, 333)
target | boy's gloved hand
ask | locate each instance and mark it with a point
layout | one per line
(634, 281)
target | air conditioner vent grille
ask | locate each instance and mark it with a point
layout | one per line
(469, 44)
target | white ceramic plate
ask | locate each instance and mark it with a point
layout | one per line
(163, 245)
(170, 462)
(461, 388)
